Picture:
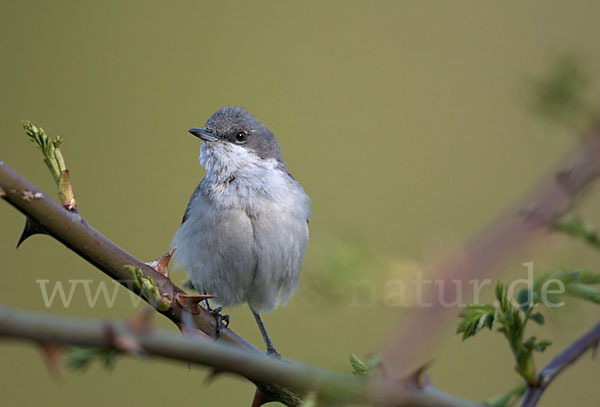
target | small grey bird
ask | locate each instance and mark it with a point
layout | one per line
(245, 230)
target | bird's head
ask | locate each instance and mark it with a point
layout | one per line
(232, 134)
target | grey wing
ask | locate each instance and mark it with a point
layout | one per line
(187, 209)
(284, 168)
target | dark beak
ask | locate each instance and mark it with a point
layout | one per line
(204, 134)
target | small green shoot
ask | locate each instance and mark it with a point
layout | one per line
(360, 368)
(54, 161)
(78, 358)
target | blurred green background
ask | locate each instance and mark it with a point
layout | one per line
(406, 122)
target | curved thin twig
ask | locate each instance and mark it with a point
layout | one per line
(565, 358)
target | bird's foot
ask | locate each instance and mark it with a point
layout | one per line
(270, 348)
(222, 320)
(272, 352)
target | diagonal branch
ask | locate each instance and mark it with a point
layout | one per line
(44, 328)
(559, 363)
(74, 232)
(331, 386)
(538, 210)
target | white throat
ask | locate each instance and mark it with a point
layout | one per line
(237, 177)
(225, 161)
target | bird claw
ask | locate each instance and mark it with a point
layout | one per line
(273, 353)
(222, 320)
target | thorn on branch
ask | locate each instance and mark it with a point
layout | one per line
(124, 342)
(161, 265)
(572, 181)
(534, 217)
(261, 397)
(419, 378)
(142, 322)
(211, 376)
(52, 354)
(31, 228)
(191, 302)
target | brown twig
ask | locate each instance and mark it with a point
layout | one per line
(589, 340)
(330, 386)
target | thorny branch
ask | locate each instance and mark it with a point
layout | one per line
(43, 328)
(281, 381)
(74, 232)
(559, 363)
(539, 209)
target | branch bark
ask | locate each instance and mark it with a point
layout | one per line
(559, 363)
(48, 329)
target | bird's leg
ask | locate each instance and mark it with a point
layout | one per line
(270, 348)
(222, 320)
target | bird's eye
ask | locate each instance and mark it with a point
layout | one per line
(241, 137)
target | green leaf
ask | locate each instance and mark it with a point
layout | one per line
(475, 318)
(532, 344)
(525, 299)
(529, 344)
(507, 399)
(589, 277)
(310, 400)
(49, 148)
(540, 280)
(541, 346)
(537, 317)
(577, 284)
(573, 226)
(501, 400)
(359, 368)
(79, 358)
(136, 275)
(584, 292)
(558, 97)
(502, 297)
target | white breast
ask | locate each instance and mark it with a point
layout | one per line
(246, 232)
